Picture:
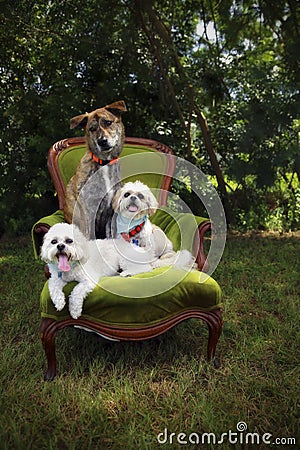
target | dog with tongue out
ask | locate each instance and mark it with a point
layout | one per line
(71, 257)
(140, 247)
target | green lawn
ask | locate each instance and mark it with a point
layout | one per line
(122, 395)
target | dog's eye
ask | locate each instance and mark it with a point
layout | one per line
(140, 196)
(69, 241)
(106, 123)
(54, 241)
(127, 194)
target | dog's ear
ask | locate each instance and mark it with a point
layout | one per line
(115, 202)
(81, 245)
(43, 251)
(152, 203)
(152, 210)
(116, 108)
(79, 120)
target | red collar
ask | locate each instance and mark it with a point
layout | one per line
(103, 162)
(133, 232)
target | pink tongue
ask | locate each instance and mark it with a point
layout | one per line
(132, 208)
(63, 264)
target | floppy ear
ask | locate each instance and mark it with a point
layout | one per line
(115, 202)
(80, 245)
(152, 203)
(44, 252)
(79, 120)
(116, 108)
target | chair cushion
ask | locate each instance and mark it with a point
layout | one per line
(179, 227)
(142, 299)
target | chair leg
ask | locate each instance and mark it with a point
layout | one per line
(48, 335)
(49, 328)
(215, 325)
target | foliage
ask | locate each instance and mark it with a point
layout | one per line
(236, 60)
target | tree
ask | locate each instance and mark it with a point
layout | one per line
(180, 66)
(162, 45)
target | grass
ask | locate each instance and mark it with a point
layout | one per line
(122, 395)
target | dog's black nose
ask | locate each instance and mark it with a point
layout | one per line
(133, 198)
(102, 142)
(61, 247)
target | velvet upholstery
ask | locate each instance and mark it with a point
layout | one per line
(150, 162)
(166, 291)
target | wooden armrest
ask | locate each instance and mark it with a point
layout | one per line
(38, 233)
(199, 251)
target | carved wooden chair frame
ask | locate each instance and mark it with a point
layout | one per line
(50, 327)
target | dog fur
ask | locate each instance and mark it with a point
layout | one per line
(85, 264)
(90, 191)
(134, 203)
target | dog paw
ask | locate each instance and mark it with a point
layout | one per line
(59, 301)
(75, 314)
(185, 260)
(168, 255)
(75, 311)
(75, 308)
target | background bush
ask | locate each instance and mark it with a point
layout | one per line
(236, 62)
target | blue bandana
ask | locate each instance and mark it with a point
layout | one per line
(124, 225)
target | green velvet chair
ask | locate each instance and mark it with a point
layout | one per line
(146, 305)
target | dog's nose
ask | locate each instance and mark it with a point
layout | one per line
(102, 142)
(133, 198)
(61, 247)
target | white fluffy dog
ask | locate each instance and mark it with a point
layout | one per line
(71, 257)
(134, 203)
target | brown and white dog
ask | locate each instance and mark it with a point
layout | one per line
(89, 193)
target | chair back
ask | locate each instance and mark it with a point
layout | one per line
(146, 160)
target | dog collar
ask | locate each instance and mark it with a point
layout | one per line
(102, 162)
(125, 224)
(133, 232)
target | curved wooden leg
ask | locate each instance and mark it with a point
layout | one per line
(48, 335)
(215, 325)
(49, 329)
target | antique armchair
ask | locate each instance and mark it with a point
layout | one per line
(116, 313)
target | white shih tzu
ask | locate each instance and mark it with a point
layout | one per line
(71, 257)
(134, 203)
